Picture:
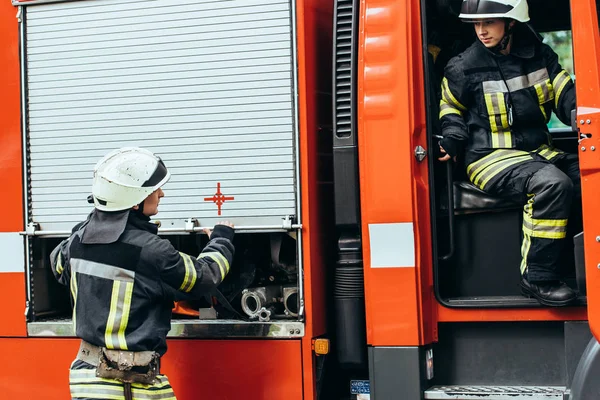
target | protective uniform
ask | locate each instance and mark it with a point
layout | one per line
(494, 111)
(123, 279)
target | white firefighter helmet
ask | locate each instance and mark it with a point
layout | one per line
(125, 177)
(482, 9)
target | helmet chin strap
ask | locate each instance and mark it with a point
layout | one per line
(503, 44)
(140, 209)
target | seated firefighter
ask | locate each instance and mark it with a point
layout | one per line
(123, 279)
(497, 98)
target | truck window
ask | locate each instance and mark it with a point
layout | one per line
(561, 42)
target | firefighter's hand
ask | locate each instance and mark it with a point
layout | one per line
(208, 231)
(446, 156)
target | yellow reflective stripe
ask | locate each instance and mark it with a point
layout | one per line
(499, 167)
(552, 155)
(225, 262)
(527, 212)
(500, 132)
(525, 251)
(504, 121)
(118, 317)
(554, 223)
(189, 280)
(81, 376)
(446, 109)
(220, 260)
(545, 228)
(125, 315)
(112, 315)
(541, 100)
(500, 155)
(59, 266)
(449, 97)
(559, 84)
(550, 89)
(73, 285)
(101, 396)
(544, 234)
(150, 394)
(84, 384)
(492, 117)
(93, 379)
(489, 158)
(546, 152)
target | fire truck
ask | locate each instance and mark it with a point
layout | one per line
(364, 267)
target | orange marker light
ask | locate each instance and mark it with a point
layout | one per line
(321, 346)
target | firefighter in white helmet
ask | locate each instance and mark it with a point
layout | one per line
(124, 278)
(497, 98)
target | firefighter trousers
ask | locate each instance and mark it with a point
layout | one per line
(85, 385)
(547, 183)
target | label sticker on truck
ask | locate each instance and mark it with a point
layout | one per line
(360, 387)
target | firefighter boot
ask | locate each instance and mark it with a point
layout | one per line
(551, 293)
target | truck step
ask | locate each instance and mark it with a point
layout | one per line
(460, 392)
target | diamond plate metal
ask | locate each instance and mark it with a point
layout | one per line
(495, 392)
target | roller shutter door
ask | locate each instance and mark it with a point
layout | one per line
(207, 85)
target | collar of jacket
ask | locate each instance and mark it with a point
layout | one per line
(523, 46)
(104, 227)
(141, 221)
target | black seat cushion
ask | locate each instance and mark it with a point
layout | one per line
(469, 198)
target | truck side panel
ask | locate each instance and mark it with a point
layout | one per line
(210, 369)
(314, 21)
(12, 277)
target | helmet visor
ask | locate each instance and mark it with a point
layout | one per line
(159, 174)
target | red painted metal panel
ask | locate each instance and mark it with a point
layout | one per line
(391, 123)
(12, 294)
(12, 285)
(527, 314)
(314, 20)
(586, 49)
(197, 369)
(11, 201)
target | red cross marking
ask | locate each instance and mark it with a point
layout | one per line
(219, 199)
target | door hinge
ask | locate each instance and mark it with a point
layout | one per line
(420, 153)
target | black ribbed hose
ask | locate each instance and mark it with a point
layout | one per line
(349, 303)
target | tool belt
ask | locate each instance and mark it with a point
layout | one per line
(121, 365)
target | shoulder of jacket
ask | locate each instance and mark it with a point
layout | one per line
(469, 58)
(148, 241)
(546, 51)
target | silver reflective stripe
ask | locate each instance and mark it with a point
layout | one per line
(518, 83)
(101, 270)
(118, 317)
(74, 291)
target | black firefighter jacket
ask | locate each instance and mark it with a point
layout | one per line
(492, 101)
(123, 285)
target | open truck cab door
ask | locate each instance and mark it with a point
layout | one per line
(445, 318)
(587, 55)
